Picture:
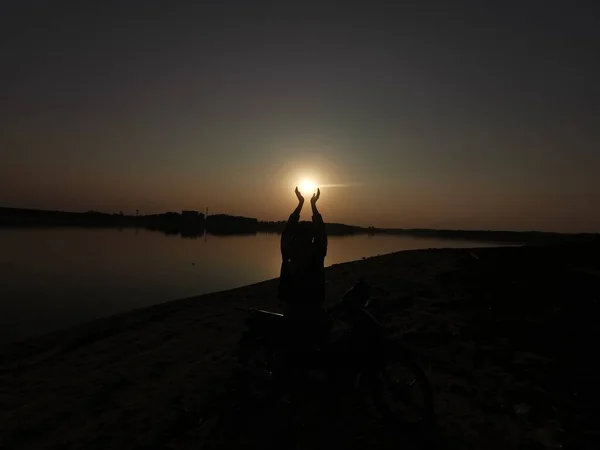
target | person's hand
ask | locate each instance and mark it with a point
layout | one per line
(299, 195)
(315, 197)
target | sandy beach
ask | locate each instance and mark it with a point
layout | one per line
(507, 336)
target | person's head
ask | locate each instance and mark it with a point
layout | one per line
(302, 241)
(305, 233)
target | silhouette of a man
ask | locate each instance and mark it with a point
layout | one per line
(303, 251)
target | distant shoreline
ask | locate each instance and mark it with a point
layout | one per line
(194, 224)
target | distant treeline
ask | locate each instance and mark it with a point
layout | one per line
(332, 228)
(517, 237)
(194, 224)
(188, 223)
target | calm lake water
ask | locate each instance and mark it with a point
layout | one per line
(55, 278)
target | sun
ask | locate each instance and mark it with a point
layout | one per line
(307, 186)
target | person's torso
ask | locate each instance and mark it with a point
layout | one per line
(303, 278)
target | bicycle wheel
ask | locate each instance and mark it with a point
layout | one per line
(255, 360)
(401, 390)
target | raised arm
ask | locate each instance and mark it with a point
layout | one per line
(320, 231)
(290, 226)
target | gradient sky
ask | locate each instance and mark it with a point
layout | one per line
(448, 114)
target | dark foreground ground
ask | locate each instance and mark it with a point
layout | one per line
(508, 336)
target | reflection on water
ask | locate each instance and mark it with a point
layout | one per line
(54, 278)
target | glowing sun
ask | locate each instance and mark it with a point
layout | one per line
(307, 186)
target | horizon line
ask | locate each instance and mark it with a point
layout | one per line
(284, 220)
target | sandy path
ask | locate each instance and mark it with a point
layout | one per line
(502, 336)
